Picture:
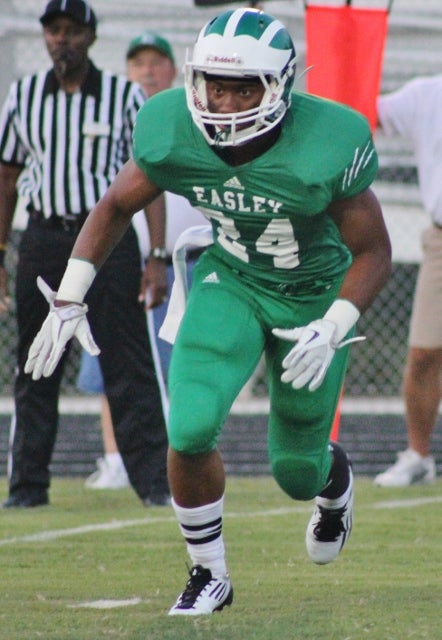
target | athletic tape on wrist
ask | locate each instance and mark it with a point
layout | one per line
(76, 281)
(345, 315)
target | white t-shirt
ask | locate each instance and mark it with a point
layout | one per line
(180, 216)
(415, 112)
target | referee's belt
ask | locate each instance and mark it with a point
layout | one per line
(69, 224)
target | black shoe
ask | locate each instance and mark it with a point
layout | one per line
(329, 527)
(157, 500)
(26, 500)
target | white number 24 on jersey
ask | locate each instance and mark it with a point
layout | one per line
(277, 240)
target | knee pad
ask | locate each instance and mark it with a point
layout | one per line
(301, 477)
(193, 427)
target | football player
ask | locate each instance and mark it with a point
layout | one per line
(299, 251)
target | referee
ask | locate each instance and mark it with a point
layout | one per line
(64, 135)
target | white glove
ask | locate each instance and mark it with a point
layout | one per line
(61, 324)
(309, 360)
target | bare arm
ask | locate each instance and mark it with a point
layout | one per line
(156, 221)
(104, 227)
(8, 201)
(130, 191)
(154, 277)
(363, 230)
(362, 227)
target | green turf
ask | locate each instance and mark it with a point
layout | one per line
(386, 585)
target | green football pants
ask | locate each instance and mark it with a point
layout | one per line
(226, 328)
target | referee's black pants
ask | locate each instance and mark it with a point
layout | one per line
(118, 324)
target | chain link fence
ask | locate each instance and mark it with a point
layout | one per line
(413, 48)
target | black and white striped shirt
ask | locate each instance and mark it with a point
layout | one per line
(71, 146)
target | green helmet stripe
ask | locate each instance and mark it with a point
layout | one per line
(218, 25)
(250, 26)
(281, 40)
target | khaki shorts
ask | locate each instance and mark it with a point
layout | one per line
(426, 317)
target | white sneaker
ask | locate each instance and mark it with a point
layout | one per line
(410, 468)
(203, 594)
(330, 526)
(107, 476)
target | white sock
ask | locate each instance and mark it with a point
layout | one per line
(114, 460)
(202, 530)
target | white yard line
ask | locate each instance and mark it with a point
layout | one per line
(107, 604)
(55, 534)
(407, 502)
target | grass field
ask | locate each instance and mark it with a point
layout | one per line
(66, 567)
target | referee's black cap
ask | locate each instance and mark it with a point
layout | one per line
(79, 10)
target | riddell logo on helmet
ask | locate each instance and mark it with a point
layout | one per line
(211, 59)
(197, 102)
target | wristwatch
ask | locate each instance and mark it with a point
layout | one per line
(158, 252)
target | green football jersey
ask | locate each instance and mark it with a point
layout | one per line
(269, 215)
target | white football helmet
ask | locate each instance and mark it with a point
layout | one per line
(241, 43)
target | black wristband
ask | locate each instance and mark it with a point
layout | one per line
(2, 257)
